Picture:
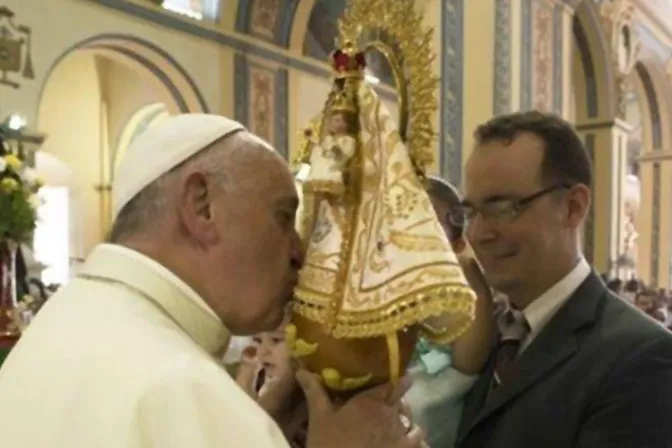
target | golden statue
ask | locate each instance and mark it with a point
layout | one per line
(379, 270)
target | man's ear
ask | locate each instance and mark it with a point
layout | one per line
(195, 208)
(579, 202)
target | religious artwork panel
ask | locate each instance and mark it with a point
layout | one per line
(542, 55)
(502, 96)
(264, 18)
(15, 49)
(261, 102)
(452, 58)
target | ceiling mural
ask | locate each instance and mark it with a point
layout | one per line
(322, 33)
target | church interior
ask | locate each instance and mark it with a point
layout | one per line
(81, 79)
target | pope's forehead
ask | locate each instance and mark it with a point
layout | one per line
(259, 162)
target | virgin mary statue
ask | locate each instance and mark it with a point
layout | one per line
(379, 270)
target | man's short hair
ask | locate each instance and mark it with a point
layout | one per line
(448, 194)
(565, 160)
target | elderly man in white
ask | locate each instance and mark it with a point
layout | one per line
(203, 246)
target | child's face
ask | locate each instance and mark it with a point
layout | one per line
(272, 352)
(338, 124)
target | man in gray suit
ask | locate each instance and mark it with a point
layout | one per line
(573, 366)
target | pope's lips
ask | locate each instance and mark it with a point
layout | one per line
(294, 280)
(291, 285)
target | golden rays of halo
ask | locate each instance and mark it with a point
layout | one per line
(412, 66)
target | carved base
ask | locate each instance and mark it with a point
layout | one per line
(350, 365)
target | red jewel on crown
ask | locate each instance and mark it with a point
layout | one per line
(344, 62)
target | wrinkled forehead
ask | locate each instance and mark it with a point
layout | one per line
(504, 169)
(267, 170)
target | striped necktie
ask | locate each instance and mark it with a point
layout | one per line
(513, 329)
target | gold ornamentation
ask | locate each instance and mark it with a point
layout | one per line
(13, 37)
(298, 347)
(326, 186)
(348, 64)
(414, 65)
(333, 292)
(415, 307)
(384, 272)
(334, 381)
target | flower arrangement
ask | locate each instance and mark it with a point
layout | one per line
(18, 196)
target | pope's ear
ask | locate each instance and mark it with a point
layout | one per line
(195, 207)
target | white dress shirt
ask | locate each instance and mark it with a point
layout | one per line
(541, 310)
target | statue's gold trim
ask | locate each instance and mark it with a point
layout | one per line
(393, 353)
(334, 381)
(458, 300)
(324, 186)
(413, 66)
(298, 347)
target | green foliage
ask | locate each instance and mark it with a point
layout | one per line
(18, 215)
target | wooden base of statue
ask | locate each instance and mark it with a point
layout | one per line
(348, 366)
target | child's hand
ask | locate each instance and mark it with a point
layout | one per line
(248, 370)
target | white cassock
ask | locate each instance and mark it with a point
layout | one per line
(122, 357)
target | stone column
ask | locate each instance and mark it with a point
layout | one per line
(606, 142)
(655, 218)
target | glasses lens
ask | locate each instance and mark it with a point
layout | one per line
(456, 216)
(499, 211)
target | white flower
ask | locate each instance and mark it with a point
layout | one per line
(29, 176)
(3, 165)
(35, 201)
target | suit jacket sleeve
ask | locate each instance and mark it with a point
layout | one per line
(189, 412)
(631, 408)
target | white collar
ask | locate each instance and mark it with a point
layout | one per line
(541, 310)
(146, 278)
(163, 272)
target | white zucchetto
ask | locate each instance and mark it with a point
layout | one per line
(160, 149)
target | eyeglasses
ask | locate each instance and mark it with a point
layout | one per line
(502, 210)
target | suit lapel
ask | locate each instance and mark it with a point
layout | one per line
(552, 347)
(478, 395)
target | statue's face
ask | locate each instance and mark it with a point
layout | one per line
(338, 124)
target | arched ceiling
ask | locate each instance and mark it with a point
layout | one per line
(322, 28)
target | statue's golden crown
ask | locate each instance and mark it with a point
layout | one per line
(348, 64)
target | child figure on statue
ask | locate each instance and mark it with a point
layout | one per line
(329, 157)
